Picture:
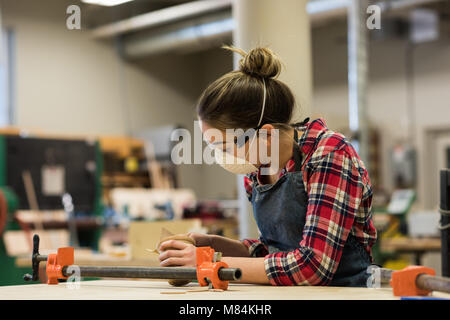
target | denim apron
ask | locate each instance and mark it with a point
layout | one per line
(280, 213)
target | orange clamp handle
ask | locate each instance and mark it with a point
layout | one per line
(207, 269)
(403, 282)
(56, 262)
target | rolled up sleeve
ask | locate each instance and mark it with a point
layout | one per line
(256, 248)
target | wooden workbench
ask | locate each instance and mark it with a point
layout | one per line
(416, 246)
(138, 289)
(151, 290)
(408, 244)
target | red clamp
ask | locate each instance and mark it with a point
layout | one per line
(56, 262)
(403, 282)
(208, 269)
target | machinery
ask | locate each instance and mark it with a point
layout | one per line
(46, 174)
(8, 205)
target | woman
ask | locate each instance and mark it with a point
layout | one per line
(313, 212)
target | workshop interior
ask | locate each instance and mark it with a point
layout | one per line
(92, 91)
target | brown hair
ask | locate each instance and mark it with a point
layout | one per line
(235, 99)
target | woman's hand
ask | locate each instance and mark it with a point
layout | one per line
(177, 253)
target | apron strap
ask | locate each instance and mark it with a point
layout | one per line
(297, 153)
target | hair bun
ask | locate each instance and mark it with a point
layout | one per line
(261, 62)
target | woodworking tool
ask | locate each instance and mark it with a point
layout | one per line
(209, 271)
(414, 281)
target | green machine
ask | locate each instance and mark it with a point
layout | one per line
(10, 274)
(398, 208)
(57, 168)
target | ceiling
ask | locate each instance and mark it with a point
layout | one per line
(178, 31)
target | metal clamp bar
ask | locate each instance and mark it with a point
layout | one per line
(225, 274)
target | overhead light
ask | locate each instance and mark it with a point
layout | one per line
(107, 3)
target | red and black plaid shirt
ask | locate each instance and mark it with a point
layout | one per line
(339, 203)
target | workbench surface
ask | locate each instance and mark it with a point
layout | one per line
(151, 290)
(140, 289)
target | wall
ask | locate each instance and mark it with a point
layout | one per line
(67, 81)
(218, 182)
(196, 71)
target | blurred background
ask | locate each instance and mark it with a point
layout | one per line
(91, 91)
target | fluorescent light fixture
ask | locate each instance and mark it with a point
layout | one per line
(323, 6)
(107, 3)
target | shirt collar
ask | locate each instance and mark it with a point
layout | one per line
(314, 130)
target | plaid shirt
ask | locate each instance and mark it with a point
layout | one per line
(339, 203)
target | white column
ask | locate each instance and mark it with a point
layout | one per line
(357, 75)
(283, 26)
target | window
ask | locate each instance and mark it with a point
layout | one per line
(6, 77)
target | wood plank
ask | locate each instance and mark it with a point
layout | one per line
(151, 290)
(20, 242)
(146, 235)
(410, 244)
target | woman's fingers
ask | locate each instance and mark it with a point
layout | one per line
(173, 261)
(171, 253)
(182, 257)
(172, 244)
